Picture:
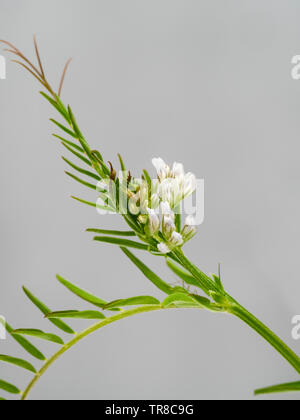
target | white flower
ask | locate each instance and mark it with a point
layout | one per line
(177, 170)
(154, 221)
(176, 239)
(173, 185)
(189, 229)
(166, 209)
(168, 226)
(163, 248)
(170, 191)
(189, 184)
(162, 169)
(154, 201)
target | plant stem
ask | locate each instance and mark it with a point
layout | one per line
(207, 284)
(267, 334)
(81, 336)
(234, 308)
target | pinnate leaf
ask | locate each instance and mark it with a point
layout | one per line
(76, 314)
(134, 301)
(17, 362)
(40, 334)
(45, 310)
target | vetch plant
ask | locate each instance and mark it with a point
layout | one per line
(152, 212)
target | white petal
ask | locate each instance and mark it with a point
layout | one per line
(177, 170)
(190, 184)
(176, 239)
(165, 208)
(190, 221)
(163, 248)
(161, 167)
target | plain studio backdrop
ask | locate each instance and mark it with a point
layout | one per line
(204, 82)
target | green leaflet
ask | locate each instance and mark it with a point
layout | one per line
(30, 348)
(181, 298)
(81, 170)
(65, 129)
(207, 304)
(69, 143)
(45, 310)
(96, 205)
(83, 294)
(134, 301)
(11, 389)
(81, 181)
(157, 281)
(58, 106)
(288, 387)
(184, 275)
(112, 232)
(40, 334)
(123, 167)
(79, 135)
(81, 157)
(17, 362)
(218, 280)
(122, 242)
(76, 315)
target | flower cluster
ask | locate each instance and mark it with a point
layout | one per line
(172, 187)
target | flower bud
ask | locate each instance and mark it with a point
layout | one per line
(162, 169)
(166, 209)
(168, 226)
(154, 201)
(163, 248)
(189, 185)
(189, 229)
(176, 239)
(154, 221)
(177, 170)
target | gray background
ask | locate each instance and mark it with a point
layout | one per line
(204, 82)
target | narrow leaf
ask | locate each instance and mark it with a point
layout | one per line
(288, 387)
(218, 280)
(45, 310)
(40, 334)
(76, 315)
(96, 205)
(121, 242)
(81, 157)
(65, 129)
(181, 298)
(123, 167)
(79, 135)
(112, 232)
(157, 281)
(17, 362)
(184, 275)
(30, 348)
(83, 294)
(81, 170)
(134, 301)
(207, 304)
(69, 143)
(57, 106)
(11, 389)
(81, 181)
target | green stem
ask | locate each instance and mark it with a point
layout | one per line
(267, 334)
(81, 336)
(207, 284)
(234, 308)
